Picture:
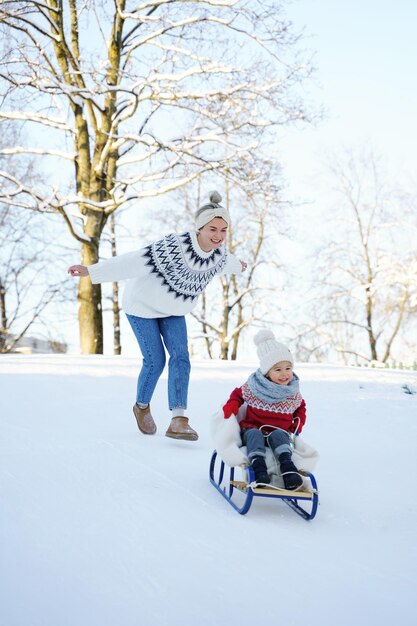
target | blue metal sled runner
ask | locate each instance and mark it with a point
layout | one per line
(241, 493)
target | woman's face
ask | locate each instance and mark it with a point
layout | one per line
(212, 235)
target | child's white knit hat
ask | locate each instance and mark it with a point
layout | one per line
(270, 351)
(208, 212)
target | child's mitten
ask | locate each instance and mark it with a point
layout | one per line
(230, 408)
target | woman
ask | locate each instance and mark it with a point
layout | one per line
(164, 280)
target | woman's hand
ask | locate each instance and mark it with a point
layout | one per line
(78, 270)
(244, 265)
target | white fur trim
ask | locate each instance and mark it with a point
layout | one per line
(226, 437)
(304, 456)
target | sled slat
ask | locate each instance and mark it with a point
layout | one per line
(243, 486)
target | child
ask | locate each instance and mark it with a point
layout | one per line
(275, 408)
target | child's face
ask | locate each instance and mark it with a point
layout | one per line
(281, 373)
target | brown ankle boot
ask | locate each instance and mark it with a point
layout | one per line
(180, 429)
(144, 420)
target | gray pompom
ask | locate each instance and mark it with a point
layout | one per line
(215, 197)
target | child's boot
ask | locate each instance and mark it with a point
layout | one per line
(260, 470)
(292, 479)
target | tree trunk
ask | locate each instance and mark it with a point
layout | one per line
(205, 327)
(3, 327)
(117, 348)
(371, 336)
(89, 306)
(396, 328)
(224, 344)
(236, 337)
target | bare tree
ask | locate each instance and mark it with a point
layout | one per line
(364, 281)
(26, 257)
(248, 298)
(258, 216)
(129, 101)
(26, 287)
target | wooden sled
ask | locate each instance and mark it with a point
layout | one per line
(240, 493)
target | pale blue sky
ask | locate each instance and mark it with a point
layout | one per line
(365, 55)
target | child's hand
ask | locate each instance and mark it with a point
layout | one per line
(229, 409)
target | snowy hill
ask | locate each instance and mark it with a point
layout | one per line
(103, 526)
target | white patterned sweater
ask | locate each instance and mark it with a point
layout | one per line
(166, 277)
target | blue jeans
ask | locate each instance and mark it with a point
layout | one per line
(256, 442)
(151, 335)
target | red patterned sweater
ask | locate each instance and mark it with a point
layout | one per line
(288, 414)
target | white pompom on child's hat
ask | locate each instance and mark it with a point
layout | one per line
(270, 351)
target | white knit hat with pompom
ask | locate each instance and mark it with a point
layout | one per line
(270, 351)
(208, 212)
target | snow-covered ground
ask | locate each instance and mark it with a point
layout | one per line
(101, 525)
